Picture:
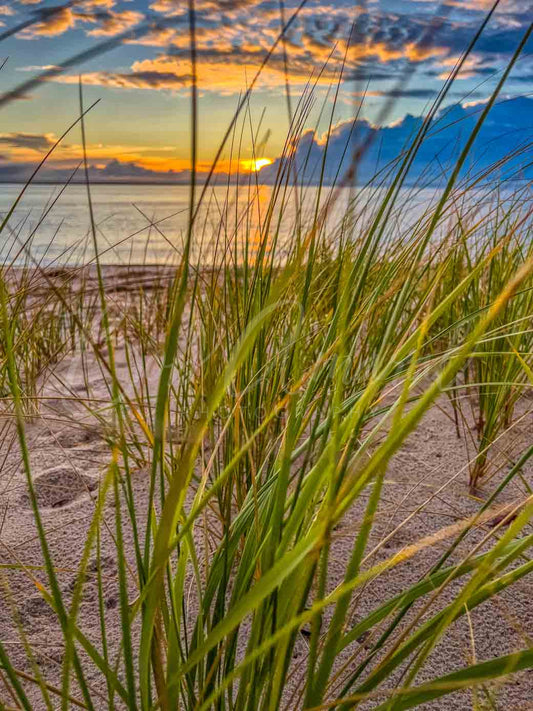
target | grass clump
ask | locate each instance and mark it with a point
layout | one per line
(248, 411)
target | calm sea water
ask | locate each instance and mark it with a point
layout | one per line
(148, 224)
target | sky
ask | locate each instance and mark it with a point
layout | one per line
(384, 60)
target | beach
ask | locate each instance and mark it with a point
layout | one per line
(71, 440)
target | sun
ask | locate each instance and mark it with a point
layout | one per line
(254, 165)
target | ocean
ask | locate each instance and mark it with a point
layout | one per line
(147, 224)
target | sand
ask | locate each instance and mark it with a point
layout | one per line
(425, 490)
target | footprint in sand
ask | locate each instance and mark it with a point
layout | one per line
(35, 606)
(59, 487)
(74, 437)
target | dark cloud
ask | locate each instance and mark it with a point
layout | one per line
(142, 79)
(524, 78)
(114, 172)
(117, 171)
(410, 93)
(33, 141)
(111, 23)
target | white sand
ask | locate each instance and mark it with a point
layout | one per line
(69, 455)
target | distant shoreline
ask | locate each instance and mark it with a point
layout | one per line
(98, 182)
(407, 184)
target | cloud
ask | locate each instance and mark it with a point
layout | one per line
(220, 72)
(158, 37)
(37, 67)
(23, 148)
(56, 20)
(507, 130)
(53, 23)
(32, 141)
(99, 3)
(403, 93)
(132, 171)
(233, 37)
(114, 171)
(226, 65)
(113, 23)
(130, 80)
(506, 8)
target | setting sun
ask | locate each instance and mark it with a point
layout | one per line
(255, 165)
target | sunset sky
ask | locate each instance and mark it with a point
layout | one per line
(142, 120)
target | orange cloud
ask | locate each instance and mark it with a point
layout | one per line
(229, 53)
(55, 24)
(99, 3)
(218, 70)
(28, 148)
(159, 37)
(468, 70)
(116, 22)
(61, 19)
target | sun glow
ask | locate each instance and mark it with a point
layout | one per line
(255, 165)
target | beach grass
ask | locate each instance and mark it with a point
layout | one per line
(261, 399)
